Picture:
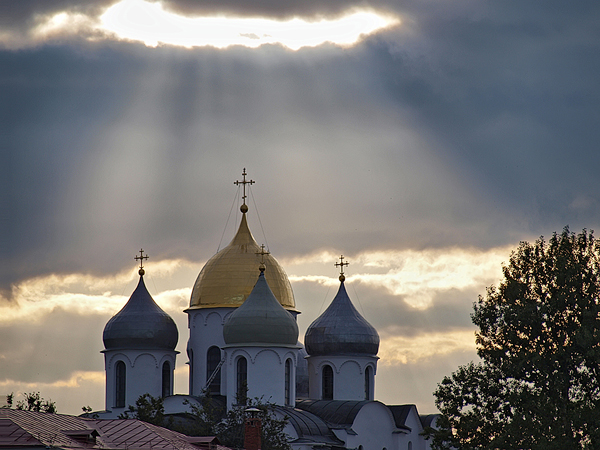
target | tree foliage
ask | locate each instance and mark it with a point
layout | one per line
(32, 402)
(148, 409)
(538, 383)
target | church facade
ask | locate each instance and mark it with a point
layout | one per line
(243, 343)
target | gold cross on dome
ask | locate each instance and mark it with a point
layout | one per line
(341, 264)
(262, 254)
(141, 259)
(244, 183)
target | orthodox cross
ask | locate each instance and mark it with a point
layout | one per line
(244, 183)
(262, 254)
(341, 264)
(141, 259)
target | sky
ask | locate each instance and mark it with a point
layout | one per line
(423, 140)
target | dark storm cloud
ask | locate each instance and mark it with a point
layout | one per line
(470, 125)
(513, 95)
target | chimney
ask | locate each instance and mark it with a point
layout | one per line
(252, 431)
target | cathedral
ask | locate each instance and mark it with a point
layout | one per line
(243, 343)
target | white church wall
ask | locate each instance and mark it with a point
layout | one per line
(206, 330)
(349, 383)
(374, 426)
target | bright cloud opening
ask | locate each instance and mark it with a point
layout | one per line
(150, 23)
(138, 20)
(415, 276)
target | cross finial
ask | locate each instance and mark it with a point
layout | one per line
(141, 259)
(262, 254)
(244, 207)
(341, 264)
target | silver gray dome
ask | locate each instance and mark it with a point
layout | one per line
(261, 320)
(140, 324)
(341, 330)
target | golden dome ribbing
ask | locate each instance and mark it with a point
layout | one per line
(228, 277)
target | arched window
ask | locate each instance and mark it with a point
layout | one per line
(213, 358)
(368, 388)
(120, 384)
(241, 380)
(327, 383)
(288, 382)
(409, 445)
(166, 379)
(190, 353)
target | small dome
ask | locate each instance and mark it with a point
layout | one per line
(228, 277)
(261, 320)
(341, 330)
(140, 324)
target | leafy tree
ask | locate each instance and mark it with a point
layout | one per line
(205, 416)
(32, 402)
(148, 409)
(538, 383)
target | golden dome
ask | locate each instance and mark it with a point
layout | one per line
(228, 277)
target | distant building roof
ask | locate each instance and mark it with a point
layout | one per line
(309, 427)
(400, 413)
(29, 429)
(334, 412)
(341, 413)
(429, 420)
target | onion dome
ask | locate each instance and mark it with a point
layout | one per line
(341, 330)
(229, 276)
(140, 324)
(261, 320)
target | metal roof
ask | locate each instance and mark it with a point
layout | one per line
(429, 420)
(334, 412)
(140, 324)
(261, 320)
(400, 413)
(308, 426)
(30, 429)
(341, 330)
(227, 278)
